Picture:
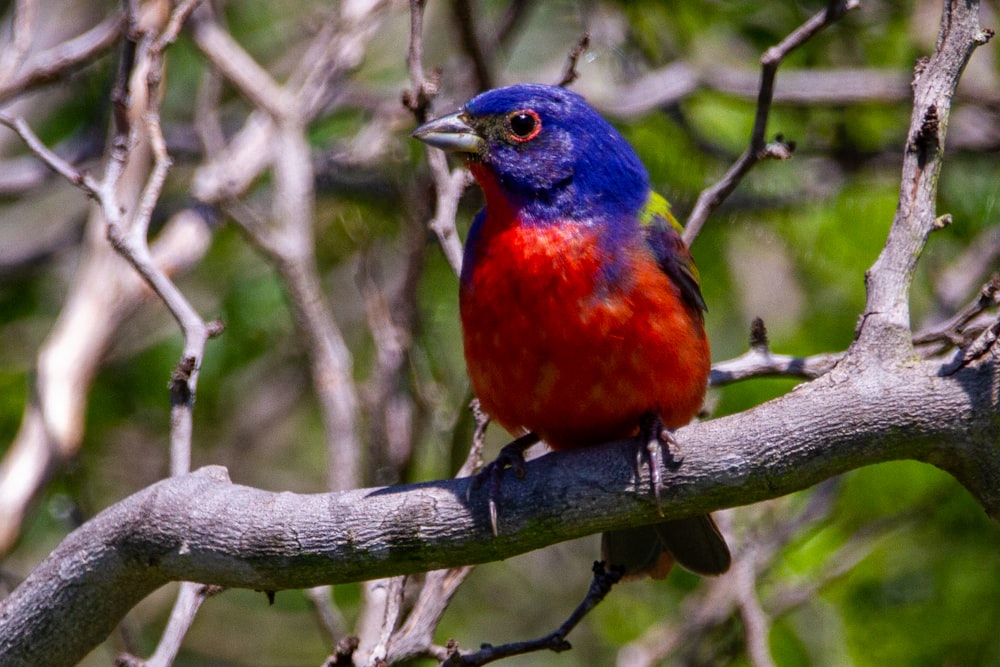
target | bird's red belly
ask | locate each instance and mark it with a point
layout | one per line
(553, 349)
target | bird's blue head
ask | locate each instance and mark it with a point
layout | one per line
(548, 153)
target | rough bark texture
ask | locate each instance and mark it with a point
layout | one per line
(202, 528)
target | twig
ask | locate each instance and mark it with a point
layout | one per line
(983, 343)
(955, 330)
(424, 89)
(275, 137)
(332, 361)
(238, 66)
(84, 181)
(979, 259)
(759, 361)
(570, 74)
(53, 63)
(461, 11)
(330, 620)
(127, 234)
(515, 14)
(958, 330)
(756, 363)
(206, 114)
(448, 185)
(233, 170)
(415, 636)
(395, 588)
(555, 641)
(712, 197)
(130, 238)
(756, 624)
(25, 12)
(343, 654)
(393, 419)
(189, 599)
(474, 460)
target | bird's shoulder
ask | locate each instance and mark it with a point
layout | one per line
(663, 234)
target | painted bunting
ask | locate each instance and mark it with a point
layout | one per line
(581, 310)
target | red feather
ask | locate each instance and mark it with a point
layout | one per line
(551, 350)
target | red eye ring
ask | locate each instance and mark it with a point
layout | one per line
(523, 125)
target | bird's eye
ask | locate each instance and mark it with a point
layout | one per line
(524, 125)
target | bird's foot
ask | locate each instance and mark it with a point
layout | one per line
(657, 445)
(511, 456)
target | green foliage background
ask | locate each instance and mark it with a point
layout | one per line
(791, 246)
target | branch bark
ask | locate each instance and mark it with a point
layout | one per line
(201, 528)
(885, 328)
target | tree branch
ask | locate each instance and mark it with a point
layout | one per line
(885, 326)
(52, 63)
(201, 528)
(104, 293)
(710, 198)
(448, 185)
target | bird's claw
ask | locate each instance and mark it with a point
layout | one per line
(658, 445)
(510, 456)
(655, 476)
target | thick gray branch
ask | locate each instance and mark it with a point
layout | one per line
(885, 327)
(202, 528)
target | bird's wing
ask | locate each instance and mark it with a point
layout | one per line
(663, 235)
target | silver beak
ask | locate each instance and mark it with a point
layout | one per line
(450, 133)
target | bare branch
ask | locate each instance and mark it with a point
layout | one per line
(461, 11)
(415, 637)
(392, 611)
(448, 185)
(279, 140)
(474, 460)
(424, 89)
(104, 293)
(956, 329)
(294, 257)
(569, 72)
(757, 625)
(331, 621)
(980, 259)
(238, 66)
(202, 528)
(672, 83)
(84, 181)
(25, 12)
(712, 197)
(885, 326)
(758, 362)
(57, 61)
(189, 600)
(555, 641)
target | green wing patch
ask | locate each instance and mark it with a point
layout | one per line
(663, 235)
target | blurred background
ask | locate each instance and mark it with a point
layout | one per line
(892, 564)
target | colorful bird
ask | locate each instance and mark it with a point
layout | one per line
(582, 316)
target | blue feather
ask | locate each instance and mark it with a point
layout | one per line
(578, 168)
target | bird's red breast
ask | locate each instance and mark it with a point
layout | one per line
(581, 308)
(554, 347)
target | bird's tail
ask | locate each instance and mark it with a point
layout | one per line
(694, 543)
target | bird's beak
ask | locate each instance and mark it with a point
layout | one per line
(450, 133)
